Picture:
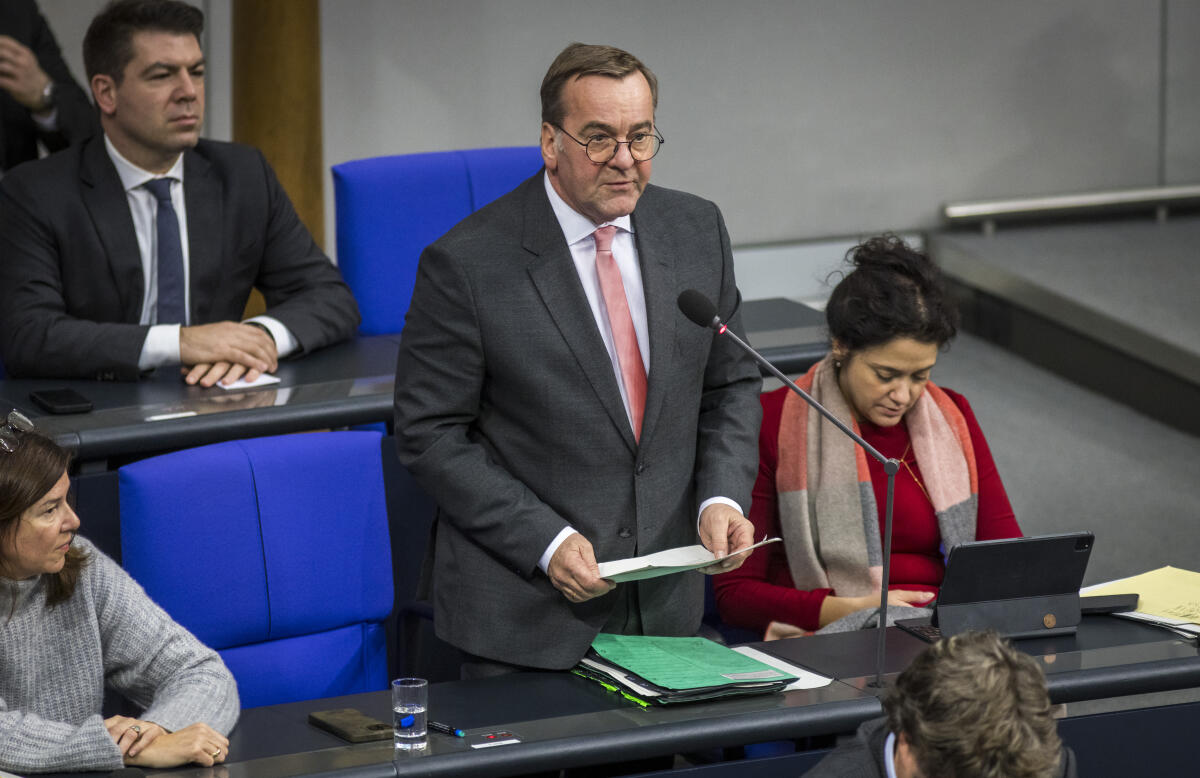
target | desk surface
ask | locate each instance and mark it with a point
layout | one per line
(339, 386)
(342, 385)
(565, 721)
(789, 334)
(1107, 657)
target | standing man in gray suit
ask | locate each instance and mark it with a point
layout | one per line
(556, 404)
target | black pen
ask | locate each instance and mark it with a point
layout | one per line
(446, 729)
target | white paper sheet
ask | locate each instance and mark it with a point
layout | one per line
(805, 679)
(266, 379)
(673, 560)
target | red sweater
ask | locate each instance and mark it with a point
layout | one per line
(761, 590)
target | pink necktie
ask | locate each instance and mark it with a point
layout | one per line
(629, 355)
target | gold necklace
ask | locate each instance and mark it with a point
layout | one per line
(904, 461)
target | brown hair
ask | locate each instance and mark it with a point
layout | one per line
(582, 59)
(26, 475)
(972, 705)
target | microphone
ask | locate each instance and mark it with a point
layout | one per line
(701, 311)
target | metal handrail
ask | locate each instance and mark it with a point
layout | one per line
(988, 212)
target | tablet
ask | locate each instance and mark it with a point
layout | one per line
(1015, 567)
(1020, 587)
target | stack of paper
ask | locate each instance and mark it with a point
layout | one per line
(663, 670)
(1168, 597)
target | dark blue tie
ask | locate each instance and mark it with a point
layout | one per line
(171, 282)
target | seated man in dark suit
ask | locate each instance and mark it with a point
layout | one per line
(39, 99)
(139, 248)
(970, 706)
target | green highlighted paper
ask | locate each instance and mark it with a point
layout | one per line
(668, 670)
(682, 663)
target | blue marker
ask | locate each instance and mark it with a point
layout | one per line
(446, 729)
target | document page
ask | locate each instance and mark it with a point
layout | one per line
(805, 679)
(265, 379)
(1167, 596)
(1167, 592)
(673, 560)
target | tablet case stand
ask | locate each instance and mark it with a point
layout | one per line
(1018, 617)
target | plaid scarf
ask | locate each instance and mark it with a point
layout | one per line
(827, 507)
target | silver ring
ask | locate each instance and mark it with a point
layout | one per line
(136, 728)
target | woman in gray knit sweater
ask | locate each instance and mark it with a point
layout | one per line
(72, 621)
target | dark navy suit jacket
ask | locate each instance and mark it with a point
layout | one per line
(71, 276)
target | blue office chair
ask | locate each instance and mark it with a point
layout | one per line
(273, 551)
(390, 208)
(712, 627)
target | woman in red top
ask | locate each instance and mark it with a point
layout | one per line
(888, 319)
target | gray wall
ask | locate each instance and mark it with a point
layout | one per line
(802, 119)
(1182, 135)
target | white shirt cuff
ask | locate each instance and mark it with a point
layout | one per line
(47, 123)
(566, 532)
(285, 341)
(713, 501)
(544, 562)
(161, 347)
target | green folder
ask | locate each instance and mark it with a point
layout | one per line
(683, 669)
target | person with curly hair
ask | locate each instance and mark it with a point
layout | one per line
(970, 706)
(888, 319)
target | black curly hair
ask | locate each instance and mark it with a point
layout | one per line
(894, 291)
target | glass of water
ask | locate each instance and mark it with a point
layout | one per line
(410, 700)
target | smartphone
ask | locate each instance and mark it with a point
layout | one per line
(1108, 603)
(61, 401)
(350, 724)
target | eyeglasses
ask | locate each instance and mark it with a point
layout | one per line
(16, 423)
(601, 148)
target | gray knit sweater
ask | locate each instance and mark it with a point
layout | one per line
(55, 663)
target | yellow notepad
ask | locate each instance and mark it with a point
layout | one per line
(1167, 593)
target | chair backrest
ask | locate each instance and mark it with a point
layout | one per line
(273, 551)
(711, 620)
(390, 208)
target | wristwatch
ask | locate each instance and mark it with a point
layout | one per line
(48, 94)
(262, 327)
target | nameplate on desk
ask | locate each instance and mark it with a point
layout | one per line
(489, 739)
(169, 416)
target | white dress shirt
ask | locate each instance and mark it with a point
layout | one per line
(889, 755)
(161, 346)
(578, 231)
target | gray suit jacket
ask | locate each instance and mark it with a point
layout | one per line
(71, 276)
(508, 413)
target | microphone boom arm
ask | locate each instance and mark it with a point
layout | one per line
(890, 467)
